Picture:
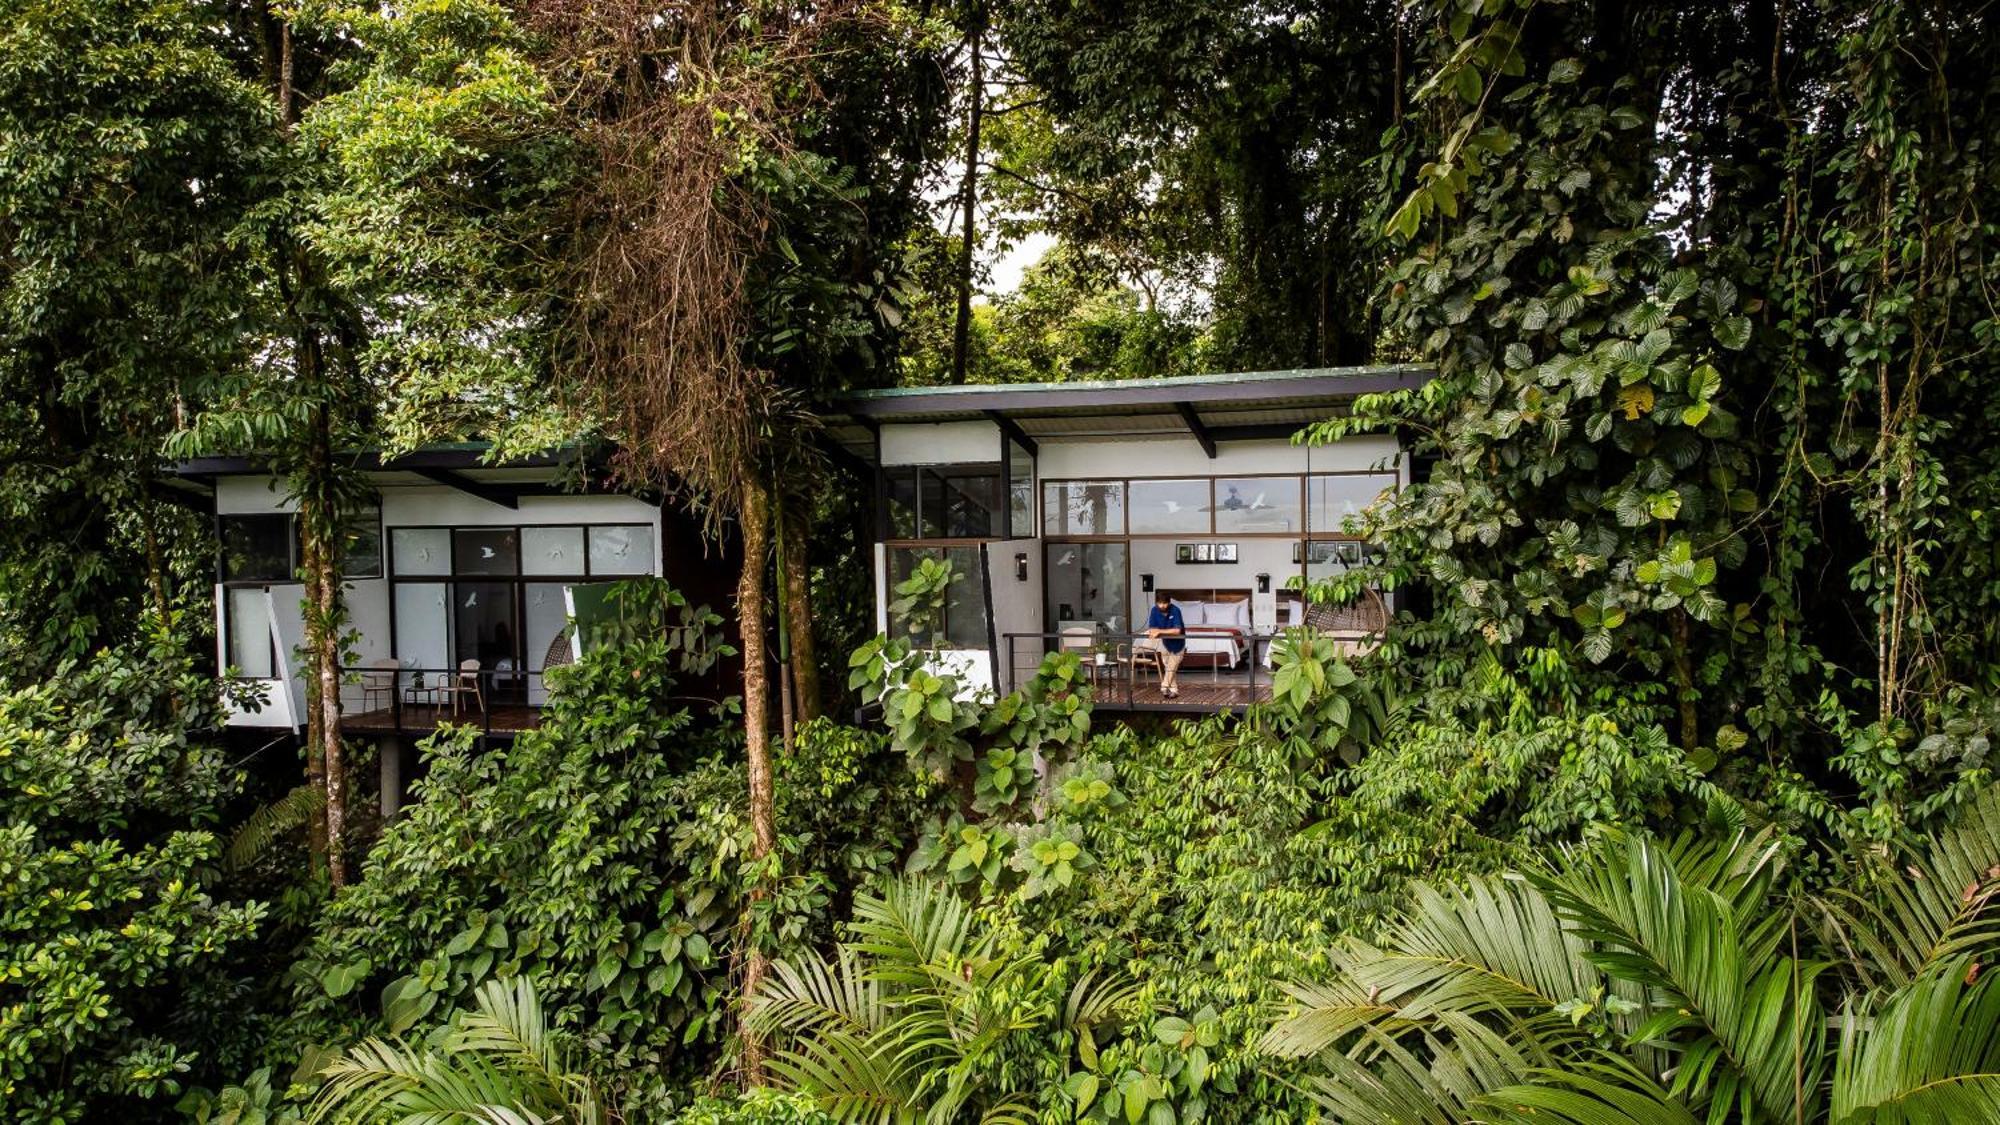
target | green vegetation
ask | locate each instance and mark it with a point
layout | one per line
(1669, 795)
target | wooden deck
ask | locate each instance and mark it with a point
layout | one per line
(1198, 692)
(420, 719)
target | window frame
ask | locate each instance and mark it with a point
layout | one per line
(999, 513)
(517, 582)
(292, 552)
(977, 574)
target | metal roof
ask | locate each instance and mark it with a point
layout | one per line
(1220, 407)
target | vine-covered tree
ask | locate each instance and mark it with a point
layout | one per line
(1706, 291)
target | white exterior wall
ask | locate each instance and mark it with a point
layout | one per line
(1017, 604)
(368, 600)
(940, 443)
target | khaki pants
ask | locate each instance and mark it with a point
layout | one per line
(1170, 664)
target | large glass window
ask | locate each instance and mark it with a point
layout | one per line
(1020, 491)
(361, 547)
(423, 626)
(621, 550)
(495, 594)
(1084, 507)
(552, 550)
(420, 550)
(1334, 498)
(962, 622)
(248, 612)
(1258, 505)
(257, 549)
(265, 548)
(945, 501)
(1086, 585)
(1170, 506)
(485, 550)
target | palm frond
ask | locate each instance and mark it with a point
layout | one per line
(1384, 1081)
(1323, 1015)
(1095, 1002)
(1603, 1091)
(1493, 944)
(1742, 1017)
(807, 995)
(253, 837)
(499, 1064)
(1925, 907)
(1930, 1053)
(910, 924)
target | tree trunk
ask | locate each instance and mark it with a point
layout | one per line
(961, 334)
(319, 548)
(797, 580)
(756, 517)
(156, 569)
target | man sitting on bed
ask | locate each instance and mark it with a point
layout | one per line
(1166, 628)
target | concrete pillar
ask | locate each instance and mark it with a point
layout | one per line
(389, 754)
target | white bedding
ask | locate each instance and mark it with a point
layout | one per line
(1228, 647)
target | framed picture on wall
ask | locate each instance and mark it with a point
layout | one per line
(1204, 552)
(1183, 552)
(1225, 552)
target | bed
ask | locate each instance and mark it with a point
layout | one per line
(1218, 626)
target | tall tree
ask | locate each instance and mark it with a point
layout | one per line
(1700, 287)
(130, 150)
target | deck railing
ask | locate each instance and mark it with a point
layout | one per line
(1208, 681)
(418, 699)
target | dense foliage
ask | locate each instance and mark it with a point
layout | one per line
(115, 942)
(1699, 596)
(1640, 980)
(1704, 291)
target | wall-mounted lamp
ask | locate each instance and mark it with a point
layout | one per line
(1021, 567)
(1146, 583)
(1263, 583)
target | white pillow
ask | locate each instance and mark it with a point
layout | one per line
(1242, 614)
(1193, 613)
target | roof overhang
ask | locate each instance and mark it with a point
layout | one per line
(466, 467)
(1239, 406)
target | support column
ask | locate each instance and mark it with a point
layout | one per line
(389, 756)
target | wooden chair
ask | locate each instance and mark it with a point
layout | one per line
(466, 682)
(379, 680)
(1143, 655)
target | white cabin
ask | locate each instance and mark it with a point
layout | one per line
(1066, 506)
(457, 567)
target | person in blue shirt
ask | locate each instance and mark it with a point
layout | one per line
(1167, 629)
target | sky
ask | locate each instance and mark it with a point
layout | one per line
(1009, 266)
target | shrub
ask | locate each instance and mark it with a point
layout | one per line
(113, 944)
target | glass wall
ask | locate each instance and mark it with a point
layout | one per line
(1335, 498)
(262, 550)
(247, 609)
(1170, 506)
(1020, 491)
(945, 501)
(495, 594)
(1258, 506)
(1086, 583)
(962, 621)
(1083, 507)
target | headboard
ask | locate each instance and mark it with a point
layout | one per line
(1185, 596)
